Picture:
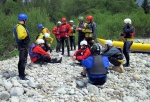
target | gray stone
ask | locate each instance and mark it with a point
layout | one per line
(61, 91)
(14, 99)
(4, 95)
(93, 89)
(6, 75)
(16, 91)
(7, 84)
(128, 99)
(32, 84)
(80, 83)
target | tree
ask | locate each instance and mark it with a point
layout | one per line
(146, 6)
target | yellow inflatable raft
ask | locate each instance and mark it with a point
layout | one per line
(137, 47)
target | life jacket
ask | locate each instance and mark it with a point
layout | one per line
(129, 35)
(26, 40)
(98, 66)
(89, 29)
(73, 30)
(81, 33)
(31, 53)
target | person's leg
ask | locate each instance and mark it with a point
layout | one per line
(119, 69)
(80, 38)
(59, 42)
(99, 81)
(23, 53)
(67, 44)
(70, 39)
(126, 49)
(62, 44)
(83, 73)
(73, 41)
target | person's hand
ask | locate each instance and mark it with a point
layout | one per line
(49, 44)
(79, 28)
(74, 58)
(92, 41)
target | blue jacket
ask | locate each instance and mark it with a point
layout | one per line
(88, 63)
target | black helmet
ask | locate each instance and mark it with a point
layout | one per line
(95, 49)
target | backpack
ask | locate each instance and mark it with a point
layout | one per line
(31, 53)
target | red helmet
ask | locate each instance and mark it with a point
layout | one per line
(89, 18)
(63, 19)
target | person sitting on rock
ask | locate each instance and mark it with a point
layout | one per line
(81, 54)
(96, 66)
(38, 55)
(115, 56)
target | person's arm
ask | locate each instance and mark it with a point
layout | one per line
(94, 30)
(54, 31)
(69, 29)
(45, 30)
(86, 54)
(88, 62)
(22, 33)
(105, 61)
(39, 50)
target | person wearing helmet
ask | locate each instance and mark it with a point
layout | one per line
(81, 54)
(56, 32)
(90, 30)
(40, 56)
(128, 34)
(49, 41)
(114, 55)
(21, 35)
(72, 35)
(46, 37)
(81, 34)
(96, 66)
(65, 31)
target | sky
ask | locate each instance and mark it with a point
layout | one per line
(139, 2)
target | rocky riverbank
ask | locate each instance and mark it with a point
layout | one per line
(57, 82)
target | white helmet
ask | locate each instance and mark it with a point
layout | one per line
(59, 22)
(127, 21)
(84, 42)
(71, 21)
(47, 35)
(109, 42)
(40, 41)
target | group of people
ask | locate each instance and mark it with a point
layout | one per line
(94, 61)
(66, 32)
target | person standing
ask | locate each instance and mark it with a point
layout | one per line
(56, 32)
(72, 35)
(90, 30)
(65, 31)
(21, 35)
(81, 34)
(128, 34)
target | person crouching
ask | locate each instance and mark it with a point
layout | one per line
(38, 55)
(81, 54)
(96, 66)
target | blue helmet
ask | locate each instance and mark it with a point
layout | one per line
(40, 26)
(22, 17)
